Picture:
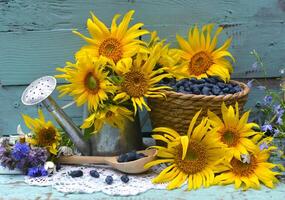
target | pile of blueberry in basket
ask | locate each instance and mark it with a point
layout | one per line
(205, 86)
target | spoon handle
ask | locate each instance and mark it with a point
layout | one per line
(82, 160)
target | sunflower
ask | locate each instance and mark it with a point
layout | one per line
(194, 157)
(113, 115)
(251, 173)
(200, 55)
(139, 79)
(117, 43)
(44, 133)
(88, 81)
(233, 131)
(170, 59)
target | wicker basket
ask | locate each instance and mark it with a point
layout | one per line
(177, 110)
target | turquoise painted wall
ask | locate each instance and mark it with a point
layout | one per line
(35, 38)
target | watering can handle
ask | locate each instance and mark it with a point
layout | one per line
(68, 105)
(82, 160)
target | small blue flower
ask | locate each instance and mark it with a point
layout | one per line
(276, 132)
(263, 146)
(20, 151)
(279, 121)
(266, 127)
(279, 111)
(37, 172)
(249, 83)
(267, 99)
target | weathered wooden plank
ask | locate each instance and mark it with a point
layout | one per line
(13, 187)
(11, 109)
(30, 55)
(31, 50)
(30, 15)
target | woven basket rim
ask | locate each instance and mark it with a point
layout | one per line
(244, 92)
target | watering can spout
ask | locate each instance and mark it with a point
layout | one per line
(39, 91)
(68, 126)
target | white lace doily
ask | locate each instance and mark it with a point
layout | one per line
(62, 182)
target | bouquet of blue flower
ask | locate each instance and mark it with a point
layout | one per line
(21, 156)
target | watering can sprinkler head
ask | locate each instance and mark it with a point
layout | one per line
(39, 91)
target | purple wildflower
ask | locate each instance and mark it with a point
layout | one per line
(276, 132)
(37, 171)
(279, 121)
(266, 127)
(37, 156)
(20, 151)
(267, 99)
(263, 146)
(249, 83)
(279, 111)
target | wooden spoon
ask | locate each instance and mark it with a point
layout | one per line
(132, 167)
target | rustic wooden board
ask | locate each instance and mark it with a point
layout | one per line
(36, 36)
(14, 187)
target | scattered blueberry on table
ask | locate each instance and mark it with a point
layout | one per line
(94, 174)
(109, 180)
(130, 156)
(205, 86)
(125, 178)
(75, 173)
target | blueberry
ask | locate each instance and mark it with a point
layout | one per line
(209, 85)
(186, 84)
(109, 180)
(206, 91)
(75, 173)
(140, 155)
(200, 81)
(58, 167)
(230, 86)
(211, 80)
(237, 88)
(226, 90)
(216, 90)
(122, 158)
(217, 78)
(94, 174)
(221, 85)
(196, 90)
(125, 178)
(193, 80)
(174, 88)
(201, 86)
(131, 155)
(180, 89)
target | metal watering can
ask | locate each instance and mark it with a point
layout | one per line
(106, 143)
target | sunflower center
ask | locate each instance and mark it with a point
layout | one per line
(91, 83)
(229, 138)
(109, 114)
(243, 169)
(200, 63)
(111, 48)
(135, 84)
(195, 159)
(47, 136)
